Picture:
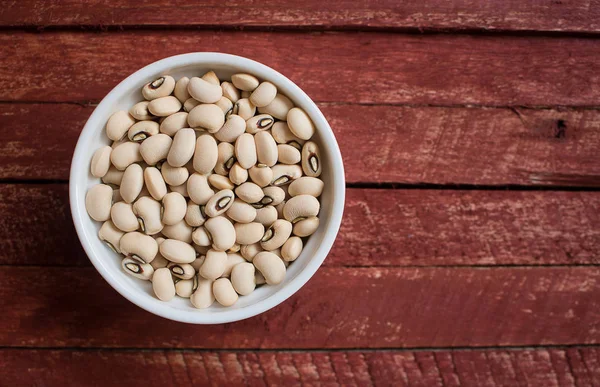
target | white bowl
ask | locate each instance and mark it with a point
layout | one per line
(125, 95)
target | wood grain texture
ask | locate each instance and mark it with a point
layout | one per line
(378, 143)
(380, 228)
(569, 16)
(337, 308)
(331, 67)
(541, 367)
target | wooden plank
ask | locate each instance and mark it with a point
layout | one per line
(338, 308)
(380, 227)
(378, 144)
(496, 367)
(564, 16)
(330, 67)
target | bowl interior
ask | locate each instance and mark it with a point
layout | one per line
(107, 262)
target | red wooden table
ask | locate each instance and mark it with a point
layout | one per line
(468, 254)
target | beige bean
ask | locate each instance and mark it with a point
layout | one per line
(230, 91)
(221, 231)
(123, 218)
(259, 123)
(219, 203)
(180, 91)
(245, 150)
(147, 212)
(174, 208)
(113, 176)
(219, 182)
(132, 183)
(264, 94)
(266, 215)
(197, 264)
(233, 259)
(266, 148)
(311, 159)
(159, 261)
(301, 207)
(284, 174)
(154, 150)
(278, 108)
(182, 148)
(125, 154)
(173, 123)
(194, 215)
(142, 130)
(306, 186)
(275, 195)
(163, 285)
(212, 78)
(198, 188)
(237, 174)
(270, 266)
(249, 192)
(118, 124)
(140, 111)
(101, 161)
(245, 82)
(203, 296)
(137, 269)
(242, 278)
(177, 251)
(155, 183)
(160, 87)
(98, 201)
(204, 91)
(233, 128)
(261, 175)
(241, 211)
(276, 235)
(248, 233)
(206, 154)
(185, 288)
(180, 189)
(300, 123)
(183, 271)
(250, 251)
(201, 237)
(174, 175)
(226, 106)
(226, 158)
(190, 104)
(306, 227)
(291, 249)
(244, 108)
(259, 278)
(209, 117)
(282, 135)
(138, 245)
(224, 292)
(111, 235)
(287, 154)
(214, 264)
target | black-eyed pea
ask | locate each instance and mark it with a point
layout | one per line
(291, 249)
(214, 265)
(301, 207)
(241, 211)
(226, 106)
(155, 183)
(190, 104)
(306, 227)
(194, 215)
(125, 154)
(244, 108)
(275, 194)
(276, 235)
(234, 249)
(137, 269)
(142, 130)
(180, 91)
(270, 266)
(245, 82)
(219, 203)
(284, 174)
(266, 215)
(180, 231)
(201, 237)
(206, 154)
(250, 251)
(174, 208)
(245, 150)
(221, 232)
(259, 279)
(306, 185)
(177, 251)
(101, 161)
(300, 123)
(288, 154)
(154, 150)
(197, 264)
(147, 210)
(123, 218)
(180, 189)
(233, 127)
(159, 261)
(111, 235)
(138, 246)
(98, 202)
(203, 296)
(118, 124)
(249, 192)
(242, 278)
(174, 123)
(212, 78)
(160, 87)
(174, 175)
(224, 292)
(204, 91)
(113, 176)
(207, 116)
(163, 285)
(132, 183)
(266, 149)
(311, 159)
(233, 259)
(259, 123)
(226, 158)
(238, 174)
(183, 271)
(185, 288)
(182, 148)
(264, 94)
(248, 233)
(198, 189)
(278, 108)
(140, 111)
(230, 92)
(220, 182)
(261, 175)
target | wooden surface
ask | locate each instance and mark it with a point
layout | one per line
(468, 253)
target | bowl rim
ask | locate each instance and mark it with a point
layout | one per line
(338, 193)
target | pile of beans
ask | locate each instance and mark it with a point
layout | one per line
(209, 187)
